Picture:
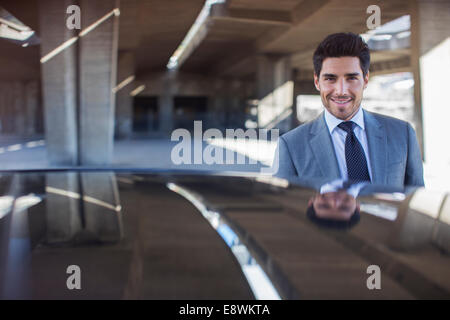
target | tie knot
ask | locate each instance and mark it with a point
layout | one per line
(347, 126)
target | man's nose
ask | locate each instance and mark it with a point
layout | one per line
(339, 202)
(338, 199)
(341, 88)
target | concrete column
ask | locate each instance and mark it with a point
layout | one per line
(236, 105)
(102, 210)
(19, 102)
(166, 103)
(295, 92)
(218, 104)
(19, 108)
(7, 105)
(31, 107)
(275, 89)
(124, 101)
(430, 58)
(264, 90)
(97, 78)
(83, 207)
(58, 83)
(3, 113)
(303, 85)
(63, 218)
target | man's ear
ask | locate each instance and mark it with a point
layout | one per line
(316, 81)
(366, 79)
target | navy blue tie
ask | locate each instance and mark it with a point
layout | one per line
(354, 154)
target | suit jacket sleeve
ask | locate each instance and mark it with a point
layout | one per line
(286, 167)
(414, 167)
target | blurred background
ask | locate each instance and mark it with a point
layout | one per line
(111, 92)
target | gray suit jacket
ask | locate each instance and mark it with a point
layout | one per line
(307, 152)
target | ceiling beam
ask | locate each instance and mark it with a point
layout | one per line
(270, 17)
(300, 13)
(402, 64)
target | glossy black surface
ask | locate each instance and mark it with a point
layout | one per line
(134, 237)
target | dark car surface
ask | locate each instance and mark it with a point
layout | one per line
(167, 235)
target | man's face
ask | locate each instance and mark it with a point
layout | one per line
(337, 205)
(341, 84)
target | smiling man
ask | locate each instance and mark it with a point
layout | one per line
(345, 141)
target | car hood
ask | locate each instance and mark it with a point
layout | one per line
(178, 235)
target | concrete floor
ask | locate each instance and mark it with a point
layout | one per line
(17, 153)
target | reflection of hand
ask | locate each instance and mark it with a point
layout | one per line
(338, 205)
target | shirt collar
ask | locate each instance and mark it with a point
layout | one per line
(336, 185)
(332, 122)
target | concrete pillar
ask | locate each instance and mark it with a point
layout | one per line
(236, 107)
(166, 102)
(60, 102)
(303, 85)
(97, 78)
(295, 92)
(275, 90)
(218, 103)
(82, 207)
(430, 58)
(2, 107)
(19, 108)
(63, 214)
(101, 206)
(7, 106)
(59, 83)
(19, 102)
(79, 110)
(124, 101)
(31, 107)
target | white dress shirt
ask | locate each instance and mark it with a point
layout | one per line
(338, 184)
(338, 136)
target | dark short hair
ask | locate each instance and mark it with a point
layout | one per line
(342, 45)
(331, 223)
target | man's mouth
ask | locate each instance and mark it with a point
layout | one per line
(341, 101)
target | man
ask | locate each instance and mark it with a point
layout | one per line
(337, 209)
(345, 141)
(336, 204)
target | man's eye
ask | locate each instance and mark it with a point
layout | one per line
(329, 79)
(353, 78)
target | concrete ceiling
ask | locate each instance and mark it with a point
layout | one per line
(236, 32)
(239, 30)
(17, 62)
(152, 29)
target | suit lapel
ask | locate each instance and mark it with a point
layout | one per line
(377, 141)
(323, 149)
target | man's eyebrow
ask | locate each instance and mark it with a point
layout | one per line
(353, 74)
(331, 75)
